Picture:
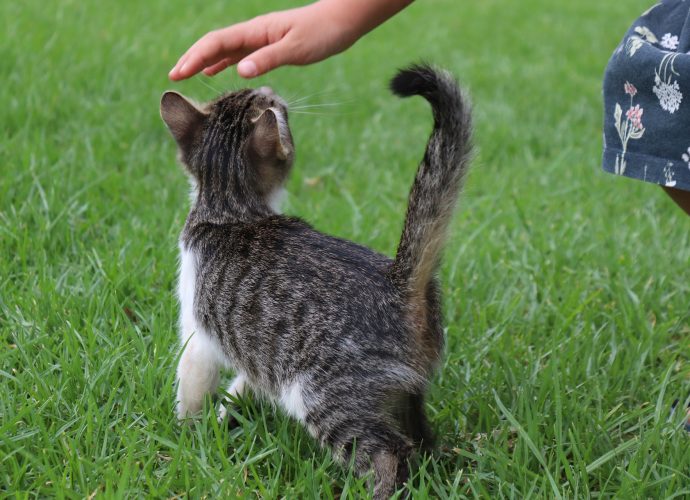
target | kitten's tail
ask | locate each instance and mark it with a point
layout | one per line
(439, 177)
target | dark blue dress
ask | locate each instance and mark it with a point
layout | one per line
(647, 99)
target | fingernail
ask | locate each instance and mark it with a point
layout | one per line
(247, 69)
(181, 70)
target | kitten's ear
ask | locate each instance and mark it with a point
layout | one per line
(267, 143)
(184, 119)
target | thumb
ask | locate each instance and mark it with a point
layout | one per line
(264, 60)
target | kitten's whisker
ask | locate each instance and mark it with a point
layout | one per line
(288, 99)
(316, 113)
(322, 105)
(208, 85)
(298, 100)
(290, 103)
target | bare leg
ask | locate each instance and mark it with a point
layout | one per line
(682, 198)
(197, 375)
(235, 390)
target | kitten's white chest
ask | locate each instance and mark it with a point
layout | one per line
(186, 290)
(203, 340)
(202, 355)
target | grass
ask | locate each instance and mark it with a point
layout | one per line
(566, 289)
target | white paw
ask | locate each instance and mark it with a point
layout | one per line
(234, 390)
(223, 412)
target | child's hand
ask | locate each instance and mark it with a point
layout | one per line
(298, 36)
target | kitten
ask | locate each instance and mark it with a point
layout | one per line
(342, 338)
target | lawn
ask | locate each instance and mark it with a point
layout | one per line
(566, 289)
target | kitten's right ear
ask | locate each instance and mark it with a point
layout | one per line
(184, 119)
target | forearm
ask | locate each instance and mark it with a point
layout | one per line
(362, 16)
(299, 36)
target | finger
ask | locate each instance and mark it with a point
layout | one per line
(217, 45)
(204, 53)
(212, 69)
(210, 49)
(173, 74)
(218, 67)
(265, 59)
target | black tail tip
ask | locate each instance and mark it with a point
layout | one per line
(418, 79)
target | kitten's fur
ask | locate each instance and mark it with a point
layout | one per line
(342, 338)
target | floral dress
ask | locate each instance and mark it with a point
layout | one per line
(647, 99)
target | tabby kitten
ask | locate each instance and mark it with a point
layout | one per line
(342, 338)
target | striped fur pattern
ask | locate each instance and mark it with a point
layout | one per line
(342, 338)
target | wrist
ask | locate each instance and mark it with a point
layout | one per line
(359, 17)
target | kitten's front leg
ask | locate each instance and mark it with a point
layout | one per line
(197, 374)
(235, 390)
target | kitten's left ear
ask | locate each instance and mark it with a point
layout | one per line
(184, 119)
(268, 141)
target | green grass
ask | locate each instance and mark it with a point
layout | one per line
(566, 289)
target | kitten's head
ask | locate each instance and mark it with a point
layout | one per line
(238, 146)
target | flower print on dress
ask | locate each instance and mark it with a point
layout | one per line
(669, 41)
(635, 117)
(644, 35)
(669, 94)
(686, 157)
(668, 176)
(631, 128)
(665, 87)
(630, 89)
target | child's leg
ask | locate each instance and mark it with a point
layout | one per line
(682, 198)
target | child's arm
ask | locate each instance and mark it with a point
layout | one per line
(298, 36)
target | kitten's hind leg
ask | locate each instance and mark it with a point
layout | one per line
(389, 461)
(235, 390)
(391, 471)
(197, 374)
(377, 446)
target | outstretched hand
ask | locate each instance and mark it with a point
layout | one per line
(298, 36)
